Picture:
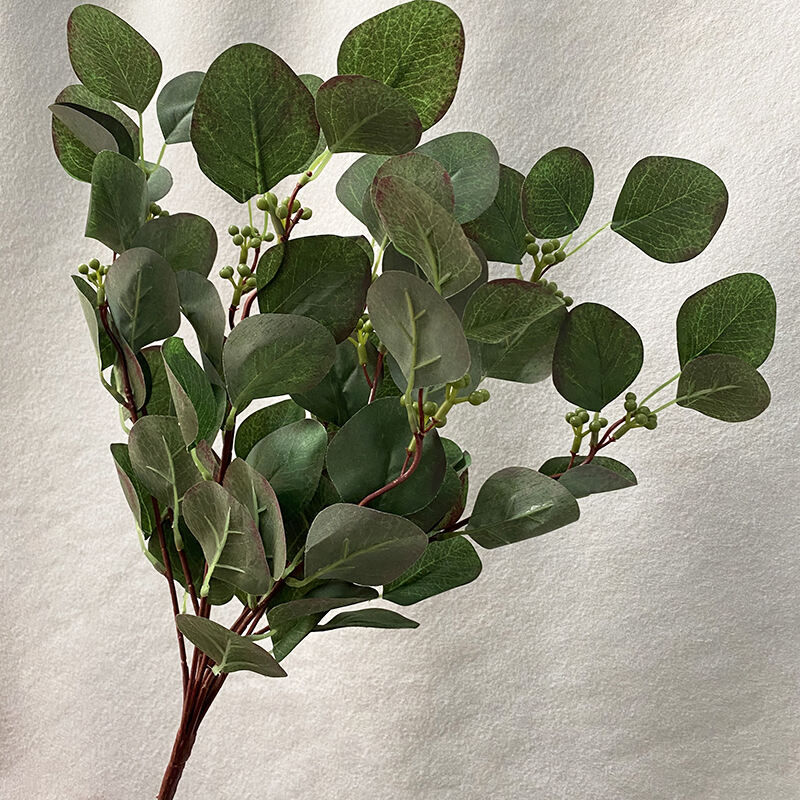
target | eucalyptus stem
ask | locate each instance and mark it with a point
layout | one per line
(660, 388)
(161, 154)
(587, 240)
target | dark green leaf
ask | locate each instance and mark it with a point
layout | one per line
(111, 58)
(417, 48)
(443, 566)
(361, 115)
(199, 414)
(253, 121)
(557, 193)
(263, 422)
(419, 329)
(458, 302)
(723, 387)
(344, 595)
(369, 451)
(201, 305)
(143, 297)
(447, 498)
(228, 535)
(472, 162)
(159, 396)
(76, 158)
(600, 475)
(90, 133)
(136, 495)
(598, 355)
(505, 308)
(735, 316)
(354, 185)
(118, 202)
(103, 346)
(273, 354)
(135, 371)
(362, 545)
(229, 651)
(324, 278)
(254, 492)
(500, 231)
(159, 458)
(670, 208)
(186, 241)
(368, 618)
(291, 459)
(517, 503)
(159, 182)
(175, 105)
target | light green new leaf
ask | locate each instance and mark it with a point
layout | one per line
(723, 387)
(229, 537)
(370, 450)
(291, 459)
(199, 414)
(186, 241)
(506, 307)
(600, 475)
(160, 460)
(136, 495)
(175, 105)
(368, 618)
(324, 278)
(517, 503)
(416, 48)
(111, 58)
(443, 566)
(472, 163)
(419, 329)
(143, 297)
(362, 545)
(735, 316)
(499, 230)
(78, 159)
(253, 121)
(229, 651)
(263, 422)
(273, 354)
(670, 208)
(361, 115)
(201, 305)
(557, 192)
(254, 492)
(428, 234)
(598, 355)
(118, 202)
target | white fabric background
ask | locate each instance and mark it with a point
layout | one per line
(649, 652)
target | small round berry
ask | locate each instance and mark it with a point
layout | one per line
(549, 260)
(269, 237)
(238, 240)
(155, 209)
(603, 422)
(233, 230)
(559, 293)
(83, 269)
(243, 270)
(568, 301)
(247, 231)
(595, 426)
(644, 410)
(262, 204)
(367, 326)
(163, 213)
(652, 423)
(630, 396)
(547, 247)
(568, 417)
(640, 419)
(630, 405)
(283, 211)
(530, 238)
(555, 244)
(485, 394)
(272, 199)
(532, 249)
(93, 263)
(226, 272)
(440, 423)
(475, 398)
(560, 256)
(250, 283)
(307, 212)
(429, 408)
(255, 241)
(295, 205)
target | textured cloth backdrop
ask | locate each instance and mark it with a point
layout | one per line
(649, 652)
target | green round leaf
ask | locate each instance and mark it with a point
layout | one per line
(505, 308)
(253, 121)
(735, 316)
(416, 48)
(353, 187)
(419, 329)
(111, 58)
(600, 475)
(201, 305)
(362, 545)
(91, 134)
(143, 297)
(723, 387)
(368, 618)
(136, 495)
(159, 396)
(159, 182)
(500, 231)
(118, 202)
(361, 115)
(424, 231)
(186, 241)
(369, 452)
(472, 162)
(324, 598)
(517, 503)
(273, 354)
(597, 356)
(322, 277)
(263, 422)
(670, 208)
(443, 566)
(557, 193)
(175, 105)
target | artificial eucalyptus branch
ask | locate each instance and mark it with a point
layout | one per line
(346, 491)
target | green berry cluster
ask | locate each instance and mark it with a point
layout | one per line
(639, 416)
(437, 414)
(94, 271)
(155, 210)
(248, 237)
(545, 256)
